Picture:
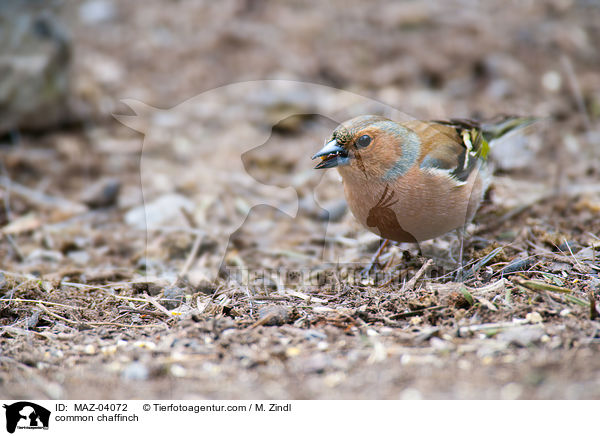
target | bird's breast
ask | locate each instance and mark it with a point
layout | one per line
(413, 208)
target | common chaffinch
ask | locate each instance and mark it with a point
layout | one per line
(414, 180)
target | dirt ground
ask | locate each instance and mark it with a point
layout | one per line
(118, 274)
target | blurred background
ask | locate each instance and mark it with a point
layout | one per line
(66, 67)
(127, 143)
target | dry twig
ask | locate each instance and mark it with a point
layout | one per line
(414, 279)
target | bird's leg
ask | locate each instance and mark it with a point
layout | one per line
(375, 258)
(461, 237)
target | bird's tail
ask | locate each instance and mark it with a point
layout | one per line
(496, 128)
(477, 135)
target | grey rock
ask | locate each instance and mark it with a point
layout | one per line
(151, 288)
(102, 193)
(35, 53)
(275, 315)
(313, 334)
(172, 297)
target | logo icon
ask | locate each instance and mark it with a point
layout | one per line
(26, 415)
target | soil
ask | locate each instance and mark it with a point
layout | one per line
(118, 272)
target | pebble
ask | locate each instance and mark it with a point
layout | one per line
(411, 394)
(80, 257)
(135, 371)
(97, 11)
(145, 344)
(519, 265)
(312, 334)
(552, 81)
(292, 351)
(102, 193)
(172, 297)
(177, 370)
(275, 315)
(534, 317)
(511, 391)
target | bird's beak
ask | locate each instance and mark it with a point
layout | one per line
(332, 155)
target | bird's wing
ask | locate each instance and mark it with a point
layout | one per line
(450, 149)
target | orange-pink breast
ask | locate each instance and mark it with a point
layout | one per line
(416, 207)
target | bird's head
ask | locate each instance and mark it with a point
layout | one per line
(370, 144)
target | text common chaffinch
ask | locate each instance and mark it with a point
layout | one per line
(415, 180)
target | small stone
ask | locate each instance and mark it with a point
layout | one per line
(416, 320)
(534, 318)
(411, 394)
(151, 288)
(558, 267)
(177, 370)
(322, 346)
(509, 358)
(135, 371)
(439, 344)
(312, 334)
(36, 54)
(97, 11)
(80, 257)
(172, 297)
(55, 352)
(487, 360)
(292, 351)
(552, 81)
(372, 333)
(102, 193)
(109, 350)
(32, 321)
(522, 336)
(145, 344)
(275, 315)
(334, 379)
(569, 246)
(519, 265)
(511, 391)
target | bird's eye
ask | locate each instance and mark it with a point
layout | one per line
(363, 141)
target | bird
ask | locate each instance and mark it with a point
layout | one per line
(414, 180)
